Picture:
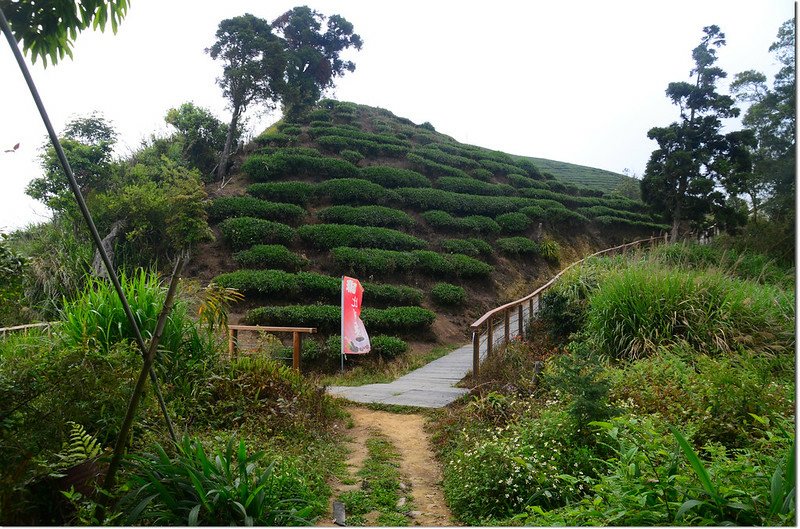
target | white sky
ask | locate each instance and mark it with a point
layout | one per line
(579, 81)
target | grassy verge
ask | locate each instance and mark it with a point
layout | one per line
(379, 371)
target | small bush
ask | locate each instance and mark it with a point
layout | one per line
(353, 191)
(226, 207)
(388, 347)
(275, 256)
(513, 222)
(293, 192)
(327, 236)
(366, 216)
(550, 250)
(448, 295)
(469, 246)
(480, 224)
(243, 232)
(354, 157)
(518, 246)
(393, 177)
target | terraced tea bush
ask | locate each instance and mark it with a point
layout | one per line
(432, 168)
(441, 220)
(499, 168)
(565, 217)
(606, 220)
(518, 246)
(534, 212)
(366, 216)
(281, 165)
(448, 295)
(459, 203)
(327, 236)
(277, 139)
(449, 265)
(354, 157)
(472, 186)
(327, 318)
(339, 143)
(320, 114)
(274, 256)
(520, 181)
(393, 177)
(354, 133)
(513, 222)
(388, 347)
(597, 211)
(434, 154)
(467, 267)
(226, 207)
(481, 174)
(368, 261)
(471, 246)
(243, 232)
(292, 192)
(480, 224)
(353, 191)
(291, 130)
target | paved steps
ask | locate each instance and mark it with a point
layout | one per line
(431, 386)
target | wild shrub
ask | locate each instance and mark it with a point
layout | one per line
(448, 295)
(274, 256)
(226, 207)
(392, 177)
(327, 236)
(293, 192)
(564, 305)
(643, 307)
(517, 246)
(244, 232)
(353, 191)
(471, 246)
(226, 485)
(550, 250)
(366, 216)
(513, 222)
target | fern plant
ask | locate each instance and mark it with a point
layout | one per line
(81, 447)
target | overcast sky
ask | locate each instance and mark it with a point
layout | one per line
(575, 81)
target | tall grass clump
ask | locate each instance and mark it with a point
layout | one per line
(637, 310)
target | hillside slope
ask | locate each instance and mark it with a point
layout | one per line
(606, 181)
(437, 231)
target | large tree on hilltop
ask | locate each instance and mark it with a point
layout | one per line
(685, 177)
(253, 62)
(312, 55)
(772, 115)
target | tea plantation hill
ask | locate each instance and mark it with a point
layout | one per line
(437, 231)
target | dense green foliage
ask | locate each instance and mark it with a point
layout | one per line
(275, 256)
(392, 177)
(327, 318)
(291, 191)
(243, 232)
(327, 236)
(448, 295)
(366, 216)
(226, 207)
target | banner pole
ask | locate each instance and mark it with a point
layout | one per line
(341, 327)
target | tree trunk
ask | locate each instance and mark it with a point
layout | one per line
(98, 268)
(222, 169)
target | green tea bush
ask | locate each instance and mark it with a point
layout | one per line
(320, 114)
(448, 295)
(369, 261)
(432, 168)
(434, 154)
(388, 347)
(354, 157)
(534, 212)
(449, 265)
(327, 318)
(499, 167)
(275, 256)
(226, 207)
(597, 211)
(366, 216)
(606, 220)
(566, 217)
(641, 308)
(472, 186)
(471, 246)
(442, 220)
(281, 165)
(458, 203)
(481, 174)
(277, 284)
(291, 130)
(278, 139)
(513, 222)
(243, 232)
(520, 181)
(467, 267)
(353, 191)
(373, 148)
(293, 192)
(518, 246)
(392, 177)
(480, 224)
(356, 134)
(327, 236)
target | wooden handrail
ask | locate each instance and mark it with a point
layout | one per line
(503, 311)
(26, 326)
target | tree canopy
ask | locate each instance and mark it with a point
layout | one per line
(695, 163)
(48, 28)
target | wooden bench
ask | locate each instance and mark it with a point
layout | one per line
(297, 338)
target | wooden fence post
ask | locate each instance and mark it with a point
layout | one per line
(476, 353)
(233, 338)
(297, 340)
(521, 320)
(507, 324)
(489, 337)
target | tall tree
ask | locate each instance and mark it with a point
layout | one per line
(203, 136)
(253, 62)
(772, 115)
(685, 177)
(312, 55)
(47, 28)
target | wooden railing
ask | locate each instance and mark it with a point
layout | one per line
(297, 338)
(486, 323)
(5, 330)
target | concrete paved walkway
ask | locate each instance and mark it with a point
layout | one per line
(431, 386)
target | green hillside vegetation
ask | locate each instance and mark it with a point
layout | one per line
(580, 175)
(350, 189)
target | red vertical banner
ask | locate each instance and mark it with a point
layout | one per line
(354, 334)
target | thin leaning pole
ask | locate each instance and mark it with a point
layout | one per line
(73, 184)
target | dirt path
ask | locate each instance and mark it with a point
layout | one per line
(417, 462)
